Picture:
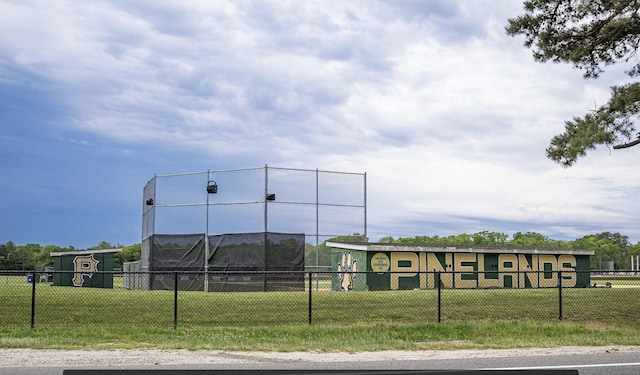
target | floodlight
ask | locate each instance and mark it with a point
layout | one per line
(212, 187)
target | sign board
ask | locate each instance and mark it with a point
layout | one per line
(393, 267)
(86, 268)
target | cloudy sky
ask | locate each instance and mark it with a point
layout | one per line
(448, 116)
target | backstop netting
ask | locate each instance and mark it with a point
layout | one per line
(236, 262)
(250, 205)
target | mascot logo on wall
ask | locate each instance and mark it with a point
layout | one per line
(83, 266)
(347, 271)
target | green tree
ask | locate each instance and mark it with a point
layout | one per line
(322, 252)
(534, 239)
(486, 238)
(607, 247)
(128, 254)
(590, 34)
(23, 257)
(102, 245)
(386, 239)
(43, 259)
(621, 255)
(483, 238)
(352, 238)
(5, 250)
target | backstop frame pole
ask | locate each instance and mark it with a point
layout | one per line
(206, 240)
(266, 192)
(317, 235)
(366, 239)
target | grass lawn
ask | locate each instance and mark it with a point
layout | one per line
(67, 317)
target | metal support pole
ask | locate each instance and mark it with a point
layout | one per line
(206, 240)
(559, 295)
(317, 230)
(365, 208)
(439, 281)
(310, 303)
(33, 300)
(175, 300)
(266, 192)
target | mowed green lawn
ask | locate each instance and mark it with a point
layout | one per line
(616, 281)
(67, 317)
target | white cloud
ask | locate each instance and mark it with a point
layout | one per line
(448, 115)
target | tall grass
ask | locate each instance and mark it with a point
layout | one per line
(349, 338)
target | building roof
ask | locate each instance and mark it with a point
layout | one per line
(417, 248)
(86, 252)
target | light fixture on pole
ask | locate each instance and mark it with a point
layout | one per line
(212, 187)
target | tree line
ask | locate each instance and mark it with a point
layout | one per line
(35, 257)
(607, 247)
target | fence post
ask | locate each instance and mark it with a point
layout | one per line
(310, 304)
(559, 295)
(33, 300)
(175, 300)
(439, 296)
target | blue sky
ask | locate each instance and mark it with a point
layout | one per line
(447, 115)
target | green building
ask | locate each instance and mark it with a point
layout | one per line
(374, 266)
(88, 268)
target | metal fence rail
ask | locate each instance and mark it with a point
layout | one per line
(30, 298)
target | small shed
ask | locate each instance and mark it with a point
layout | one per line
(84, 268)
(383, 266)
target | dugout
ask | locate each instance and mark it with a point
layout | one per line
(225, 262)
(413, 266)
(87, 268)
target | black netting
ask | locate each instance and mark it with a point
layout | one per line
(180, 252)
(237, 262)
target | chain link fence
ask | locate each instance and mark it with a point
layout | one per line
(30, 299)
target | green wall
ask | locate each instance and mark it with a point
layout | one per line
(349, 262)
(85, 267)
(388, 270)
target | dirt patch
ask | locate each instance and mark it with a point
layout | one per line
(75, 358)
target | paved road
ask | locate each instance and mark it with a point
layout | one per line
(591, 364)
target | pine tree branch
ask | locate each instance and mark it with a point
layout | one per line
(627, 145)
